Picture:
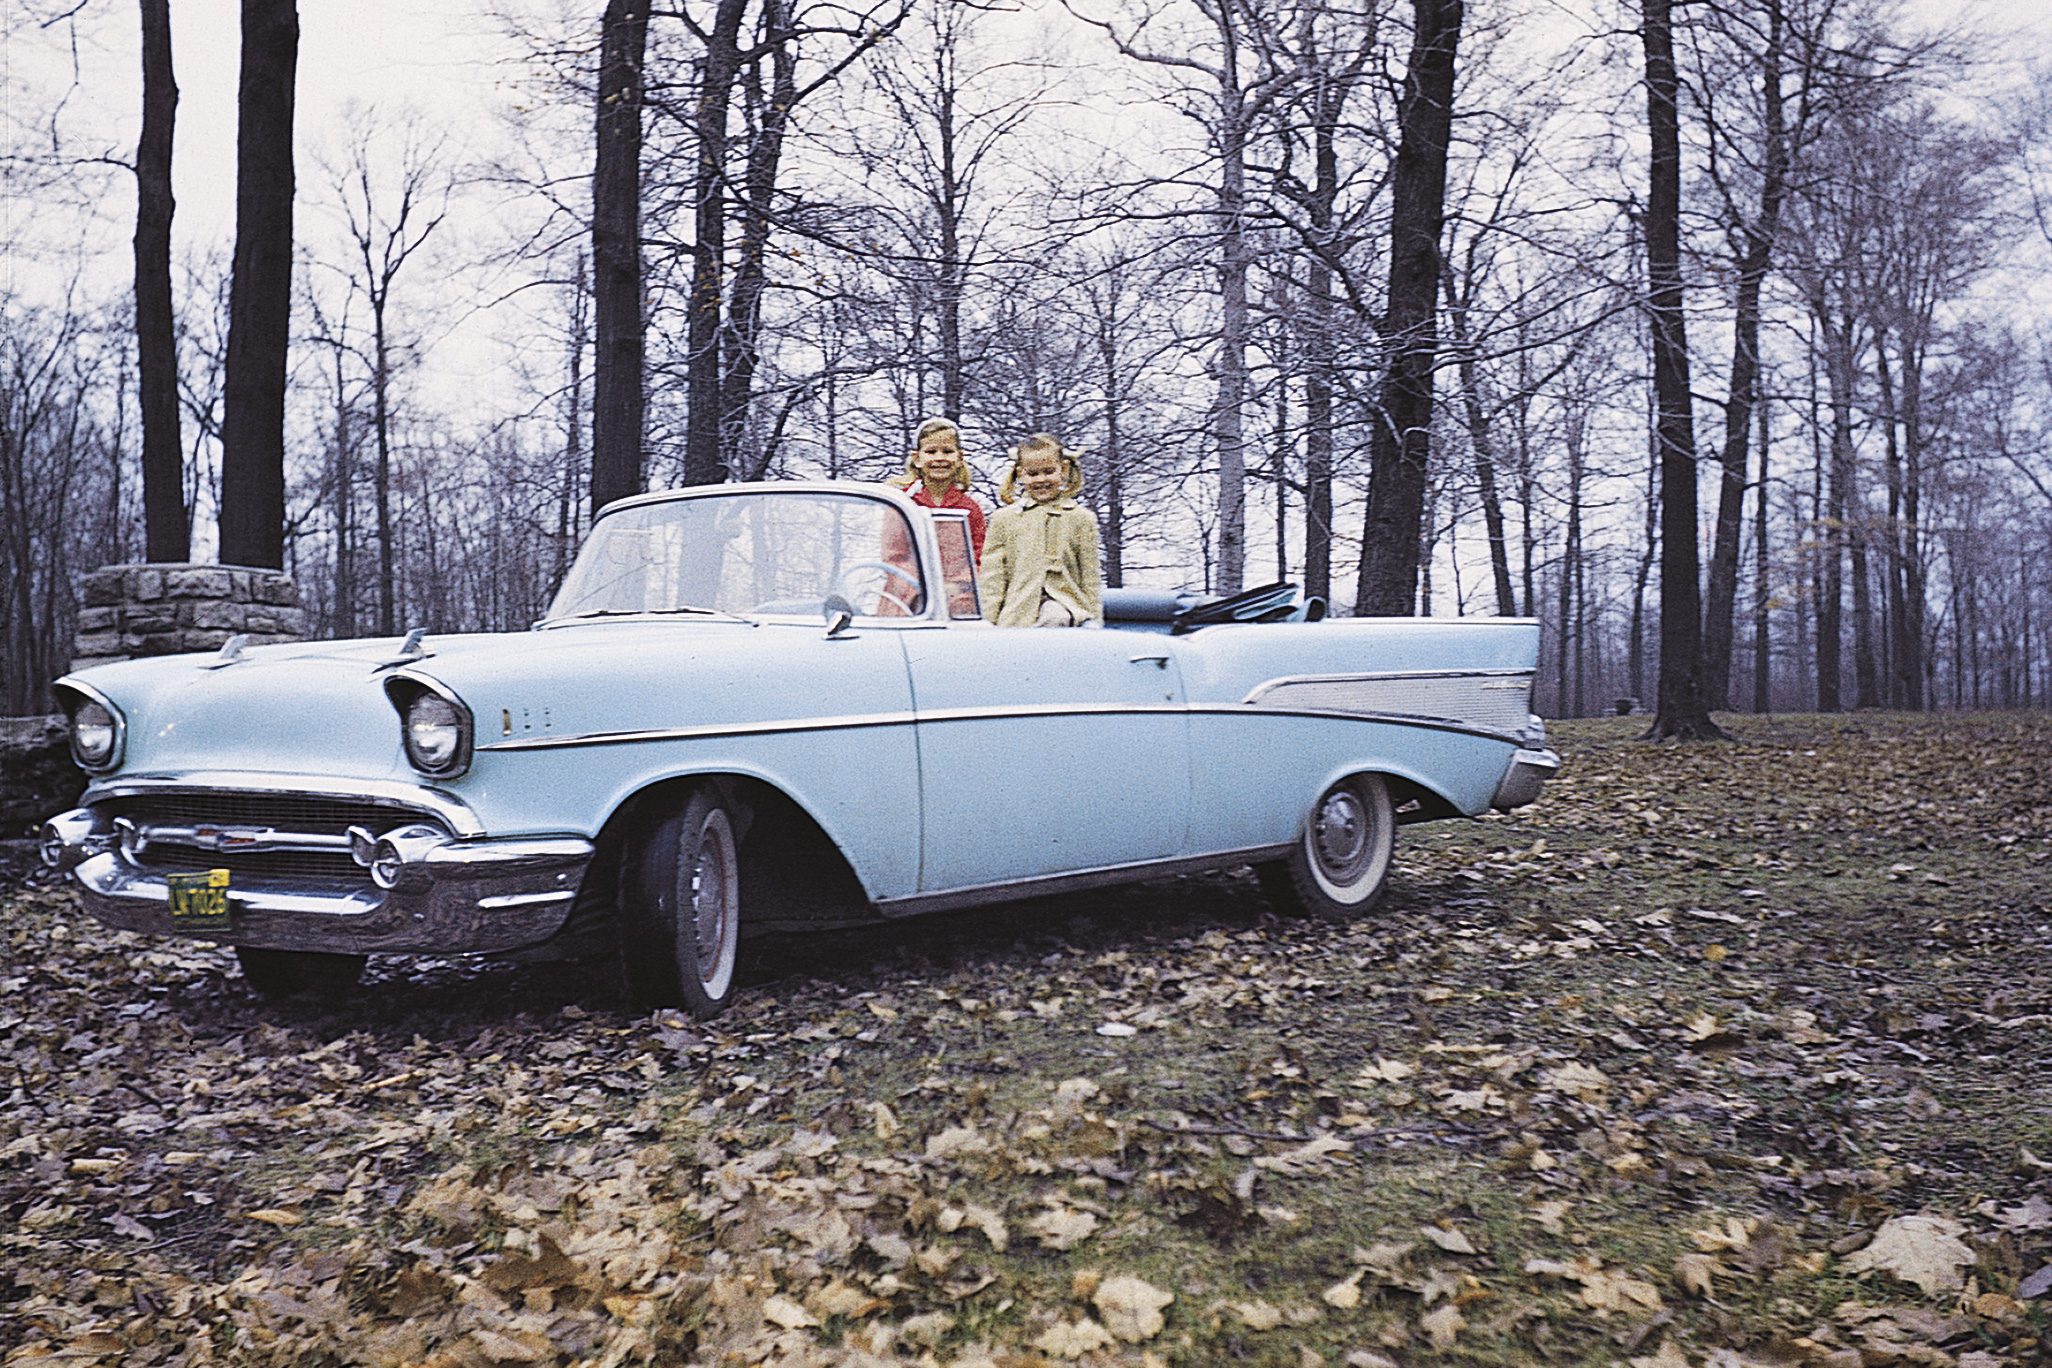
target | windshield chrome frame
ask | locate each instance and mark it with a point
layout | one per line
(933, 614)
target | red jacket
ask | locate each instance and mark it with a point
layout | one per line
(961, 499)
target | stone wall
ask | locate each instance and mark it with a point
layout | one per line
(130, 611)
(37, 778)
(162, 609)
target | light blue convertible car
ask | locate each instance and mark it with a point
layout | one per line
(768, 706)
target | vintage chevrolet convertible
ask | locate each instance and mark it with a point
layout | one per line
(768, 706)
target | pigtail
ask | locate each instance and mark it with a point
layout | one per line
(1008, 492)
(1072, 486)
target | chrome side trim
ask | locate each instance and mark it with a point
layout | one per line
(1492, 702)
(848, 722)
(853, 721)
(1445, 724)
(1268, 686)
(982, 895)
(451, 810)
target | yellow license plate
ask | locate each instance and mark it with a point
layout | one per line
(199, 901)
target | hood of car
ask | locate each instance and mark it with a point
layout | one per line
(323, 707)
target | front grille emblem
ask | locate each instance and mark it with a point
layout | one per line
(210, 837)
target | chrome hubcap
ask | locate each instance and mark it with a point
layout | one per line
(711, 882)
(1339, 836)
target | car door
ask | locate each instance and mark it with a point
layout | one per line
(1046, 752)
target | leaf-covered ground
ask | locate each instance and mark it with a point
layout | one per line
(1719, 1055)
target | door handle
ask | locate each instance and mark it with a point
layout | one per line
(1160, 661)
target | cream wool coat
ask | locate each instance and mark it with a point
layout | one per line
(1050, 548)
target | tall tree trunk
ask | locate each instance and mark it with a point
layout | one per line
(1899, 689)
(381, 423)
(1316, 343)
(1401, 445)
(705, 458)
(1484, 446)
(1866, 675)
(1114, 489)
(617, 402)
(573, 426)
(1832, 534)
(1279, 456)
(167, 530)
(260, 291)
(1753, 262)
(1683, 710)
(1648, 553)
(1915, 664)
(1840, 370)
(345, 500)
(1762, 680)
(1228, 422)
(742, 340)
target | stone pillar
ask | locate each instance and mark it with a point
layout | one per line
(162, 609)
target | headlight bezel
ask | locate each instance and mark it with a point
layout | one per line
(76, 699)
(411, 692)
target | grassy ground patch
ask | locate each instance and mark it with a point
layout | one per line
(1721, 1054)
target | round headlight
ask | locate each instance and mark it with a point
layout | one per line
(434, 731)
(93, 733)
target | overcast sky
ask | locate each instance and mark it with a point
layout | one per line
(445, 57)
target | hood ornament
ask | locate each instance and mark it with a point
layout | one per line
(410, 650)
(231, 652)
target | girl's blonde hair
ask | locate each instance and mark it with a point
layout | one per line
(930, 428)
(1040, 444)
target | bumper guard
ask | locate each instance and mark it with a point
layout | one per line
(449, 897)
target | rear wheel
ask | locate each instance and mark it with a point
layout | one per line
(681, 909)
(1340, 863)
(291, 973)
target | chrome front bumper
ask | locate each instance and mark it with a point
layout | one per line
(455, 896)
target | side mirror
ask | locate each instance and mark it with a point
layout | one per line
(839, 613)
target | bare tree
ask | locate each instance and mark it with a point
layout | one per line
(618, 402)
(1683, 712)
(1232, 86)
(166, 523)
(1402, 438)
(260, 296)
(388, 225)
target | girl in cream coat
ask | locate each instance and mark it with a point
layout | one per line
(1040, 556)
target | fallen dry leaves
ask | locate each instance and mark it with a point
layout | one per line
(1521, 1115)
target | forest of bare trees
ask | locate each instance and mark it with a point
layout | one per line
(1704, 334)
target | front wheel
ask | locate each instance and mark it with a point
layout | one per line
(681, 910)
(1340, 863)
(290, 973)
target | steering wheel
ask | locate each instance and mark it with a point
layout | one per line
(854, 591)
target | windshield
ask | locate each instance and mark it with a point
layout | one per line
(759, 554)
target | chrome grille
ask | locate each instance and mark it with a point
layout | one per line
(1487, 702)
(284, 817)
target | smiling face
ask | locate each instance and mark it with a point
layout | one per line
(1042, 473)
(938, 459)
